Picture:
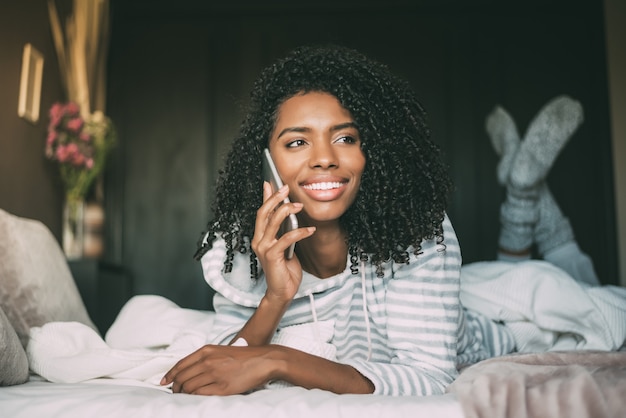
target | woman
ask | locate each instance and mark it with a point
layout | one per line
(370, 301)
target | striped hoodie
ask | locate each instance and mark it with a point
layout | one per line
(406, 332)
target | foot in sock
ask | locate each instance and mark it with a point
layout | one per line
(556, 242)
(552, 229)
(548, 132)
(518, 213)
(505, 140)
(518, 218)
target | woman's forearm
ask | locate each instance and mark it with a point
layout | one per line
(228, 370)
(313, 372)
(262, 325)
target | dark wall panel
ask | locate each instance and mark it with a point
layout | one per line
(29, 183)
(160, 101)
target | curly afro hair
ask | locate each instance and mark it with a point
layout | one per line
(404, 187)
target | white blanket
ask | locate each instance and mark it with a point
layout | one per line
(147, 338)
(544, 307)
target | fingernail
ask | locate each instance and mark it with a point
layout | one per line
(163, 381)
(282, 189)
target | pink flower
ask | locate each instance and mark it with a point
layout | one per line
(70, 143)
(78, 159)
(72, 148)
(72, 154)
(75, 124)
(72, 109)
(62, 153)
(55, 120)
(56, 111)
(52, 136)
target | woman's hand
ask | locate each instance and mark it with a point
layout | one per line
(283, 276)
(220, 370)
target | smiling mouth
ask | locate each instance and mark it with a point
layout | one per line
(327, 185)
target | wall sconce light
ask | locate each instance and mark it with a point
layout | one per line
(30, 84)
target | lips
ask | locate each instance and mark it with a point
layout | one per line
(325, 190)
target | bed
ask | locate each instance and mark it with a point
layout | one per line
(100, 399)
(574, 391)
(54, 363)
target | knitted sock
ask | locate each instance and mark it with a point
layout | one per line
(518, 216)
(552, 229)
(547, 134)
(504, 139)
(517, 213)
(556, 242)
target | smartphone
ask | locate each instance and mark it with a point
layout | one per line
(270, 174)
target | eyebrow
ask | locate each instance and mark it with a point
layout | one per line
(332, 129)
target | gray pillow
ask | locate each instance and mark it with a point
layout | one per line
(36, 285)
(13, 361)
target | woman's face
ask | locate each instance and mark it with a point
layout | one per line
(317, 150)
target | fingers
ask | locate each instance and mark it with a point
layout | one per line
(179, 367)
(217, 370)
(269, 218)
(270, 203)
(191, 374)
(267, 191)
(191, 380)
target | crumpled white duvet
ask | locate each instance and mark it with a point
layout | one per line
(149, 336)
(545, 308)
(144, 342)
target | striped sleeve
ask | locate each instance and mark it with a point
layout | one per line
(423, 312)
(229, 320)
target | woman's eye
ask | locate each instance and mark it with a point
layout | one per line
(347, 139)
(295, 143)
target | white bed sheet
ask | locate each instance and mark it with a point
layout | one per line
(115, 398)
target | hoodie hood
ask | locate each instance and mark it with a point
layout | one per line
(240, 288)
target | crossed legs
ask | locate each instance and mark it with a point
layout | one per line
(529, 214)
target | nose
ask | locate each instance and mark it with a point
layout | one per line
(323, 156)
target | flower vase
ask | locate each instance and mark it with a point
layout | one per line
(73, 228)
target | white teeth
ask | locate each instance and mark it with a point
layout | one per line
(324, 186)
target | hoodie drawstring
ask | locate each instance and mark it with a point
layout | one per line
(316, 326)
(367, 318)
